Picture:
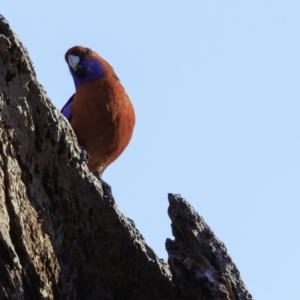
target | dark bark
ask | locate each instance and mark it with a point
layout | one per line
(200, 263)
(59, 239)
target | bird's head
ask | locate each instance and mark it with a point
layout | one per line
(86, 65)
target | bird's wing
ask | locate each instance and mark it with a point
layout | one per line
(66, 110)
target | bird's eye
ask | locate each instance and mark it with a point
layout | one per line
(87, 52)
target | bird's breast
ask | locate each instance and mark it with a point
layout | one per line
(103, 119)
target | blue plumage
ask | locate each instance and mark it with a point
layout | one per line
(88, 70)
(66, 110)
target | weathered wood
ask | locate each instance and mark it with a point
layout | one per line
(59, 239)
(200, 263)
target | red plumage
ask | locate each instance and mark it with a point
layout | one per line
(102, 115)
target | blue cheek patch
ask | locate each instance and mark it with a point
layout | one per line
(90, 70)
(94, 69)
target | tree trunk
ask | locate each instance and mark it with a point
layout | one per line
(59, 239)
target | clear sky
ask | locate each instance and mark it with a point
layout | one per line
(215, 85)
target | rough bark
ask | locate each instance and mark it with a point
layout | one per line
(59, 239)
(199, 261)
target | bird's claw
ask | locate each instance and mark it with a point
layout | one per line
(107, 193)
(84, 156)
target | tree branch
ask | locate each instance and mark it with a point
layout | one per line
(59, 239)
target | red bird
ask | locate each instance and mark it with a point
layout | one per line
(100, 112)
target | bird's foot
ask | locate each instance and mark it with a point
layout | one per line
(84, 156)
(107, 194)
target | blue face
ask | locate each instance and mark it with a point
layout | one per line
(88, 70)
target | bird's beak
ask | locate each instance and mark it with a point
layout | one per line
(73, 61)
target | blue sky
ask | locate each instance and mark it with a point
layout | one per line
(215, 86)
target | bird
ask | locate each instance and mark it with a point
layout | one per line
(100, 112)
